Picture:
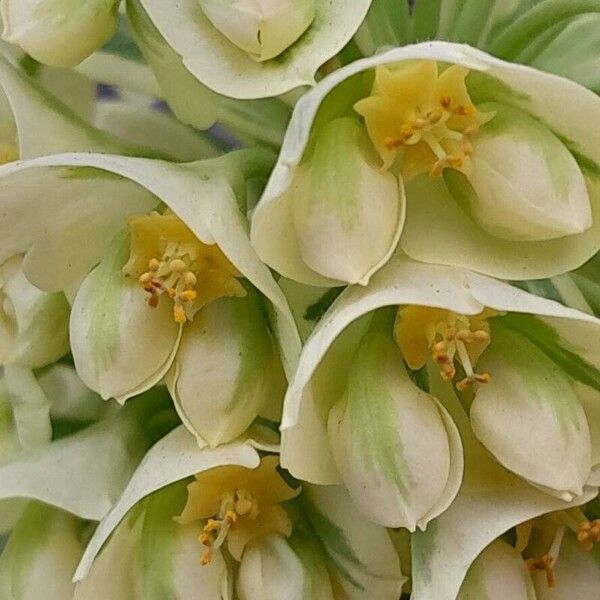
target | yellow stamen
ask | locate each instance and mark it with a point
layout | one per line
(167, 258)
(450, 338)
(589, 534)
(427, 114)
(545, 563)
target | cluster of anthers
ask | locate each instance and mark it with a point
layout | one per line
(588, 534)
(432, 128)
(449, 341)
(174, 276)
(234, 506)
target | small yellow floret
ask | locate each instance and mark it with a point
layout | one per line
(167, 258)
(427, 115)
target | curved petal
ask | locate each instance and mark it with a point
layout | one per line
(388, 438)
(442, 554)
(121, 346)
(270, 570)
(530, 418)
(40, 555)
(213, 215)
(228, 70)
(367, 563)
(192, 102)
(450, 239)
(173, 458)
(226, 370)
(97, 462)
(498, 572)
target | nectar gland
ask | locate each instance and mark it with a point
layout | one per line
(167, 258)
(427, 115)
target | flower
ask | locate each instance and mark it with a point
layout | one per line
(58, 32)
(248, 49)
(239, 526)
(365, 394)
(178, 291)
(484, 157)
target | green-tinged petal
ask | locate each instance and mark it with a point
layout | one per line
(365, 561)
(9, 439)
(83, 473)
(41, 555)
(389, 440)
(442, 554)
(82, 211)
(202, 194)
(590, 401)
(121, 346)
(577, 573)
(33, 324)
(452, 237)
(226, 369)
(499, 572)
(529, 416)
(38, 124)
(192, 102)
(346, 214)
(70, 399)
(30, 407)
(270, 570)
(229, 70)
(144, 126)
(524, 183)
(59, 32)
(175, 457)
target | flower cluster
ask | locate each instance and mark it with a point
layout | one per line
(299, 299)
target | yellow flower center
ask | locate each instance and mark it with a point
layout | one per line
(167, 258)
(426, 115)
(448, 337)
(238, 505)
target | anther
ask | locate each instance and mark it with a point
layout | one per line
(588, 534)
(177, 265)
(153, 264)
(546, 563)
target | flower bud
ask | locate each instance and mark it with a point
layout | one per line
(33, 324)
(263, 28)
(271, 570)
(529, 417)
(60, 33)
(390, 440)
(226, 369)
(498, 572)
(525, 184)
(347, 212)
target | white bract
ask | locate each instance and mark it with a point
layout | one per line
(60, 33)
(177, 289)
(524, 367)
(494, 174)
(234, 502)
(244, 48)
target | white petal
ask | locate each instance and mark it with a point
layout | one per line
(499, 572)
(388, 438)
(121, 346)
(270, 570)
(56, 32)
(226, 370)
(529, 416)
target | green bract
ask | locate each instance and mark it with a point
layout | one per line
(526, 369)
(324, 532)
(498, 176)
(124, 337)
